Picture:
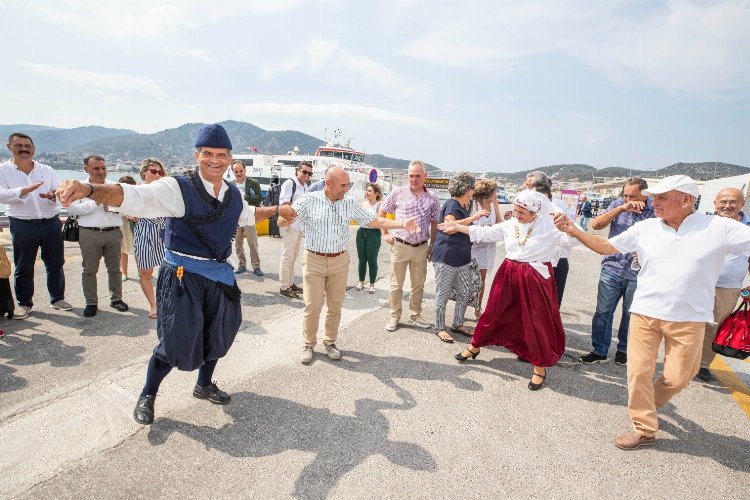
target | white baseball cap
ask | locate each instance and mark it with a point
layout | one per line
(681, 183)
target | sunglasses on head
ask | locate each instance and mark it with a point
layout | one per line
(154, 171)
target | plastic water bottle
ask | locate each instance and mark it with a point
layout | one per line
(635, 265)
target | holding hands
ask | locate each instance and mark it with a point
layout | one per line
(71, 190)
(634, 206)
(448, 227)
(563, 223)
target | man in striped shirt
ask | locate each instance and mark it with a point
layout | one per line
(325, 265)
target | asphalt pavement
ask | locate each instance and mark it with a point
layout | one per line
(396, 417)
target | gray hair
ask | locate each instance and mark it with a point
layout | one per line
(461, 183)
(419, 163)
(537, 179)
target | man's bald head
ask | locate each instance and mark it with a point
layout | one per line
(729, 202)
(337, 183)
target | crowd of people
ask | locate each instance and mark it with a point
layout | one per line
(675, 270)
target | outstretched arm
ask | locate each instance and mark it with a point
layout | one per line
(107, 194)
(598, 244)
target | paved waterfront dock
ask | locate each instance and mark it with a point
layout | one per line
(396, 417)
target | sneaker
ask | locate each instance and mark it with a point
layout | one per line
(333, 352)
(705, 375)
(307, 354)
(360, 286)
(61, 305)
(621, 358)
(371, 290)
(212, 393)
(119, 305)
(258, 272)
(90, 310)
(21, 312)
(392, 325)
(124, 278)
(288, 292)
(420, 323)
(591, 358)
(240, 270)
(296, 288)
(633, 440)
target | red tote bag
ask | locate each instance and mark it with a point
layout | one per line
(733, 338)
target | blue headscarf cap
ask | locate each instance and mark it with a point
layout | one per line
(213, 136)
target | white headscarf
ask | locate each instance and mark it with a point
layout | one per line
(533, 202)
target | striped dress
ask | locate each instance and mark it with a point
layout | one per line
(149, 246)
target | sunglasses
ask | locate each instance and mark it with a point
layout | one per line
(306, 172)
(153, 171)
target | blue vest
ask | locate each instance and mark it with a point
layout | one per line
(208, 227)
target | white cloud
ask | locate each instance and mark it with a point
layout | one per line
(103, 83)
(367, 113)
(197, 54)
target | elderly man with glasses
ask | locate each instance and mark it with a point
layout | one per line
(291, 240)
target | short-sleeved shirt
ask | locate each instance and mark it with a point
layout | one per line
(327, 222)
(679, 269)
(735, 265)
(452, 249)
(619, 263)
(291, 190)
(404, 204)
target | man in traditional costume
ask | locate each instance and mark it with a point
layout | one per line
(199, 310)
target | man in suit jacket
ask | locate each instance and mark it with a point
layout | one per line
(250, 189)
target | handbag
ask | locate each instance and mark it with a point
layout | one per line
(70, 228)
(733, 338)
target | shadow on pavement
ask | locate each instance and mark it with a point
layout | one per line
(8, 381)
(38, 348)
(265, 426)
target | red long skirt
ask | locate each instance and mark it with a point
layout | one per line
(522, 315)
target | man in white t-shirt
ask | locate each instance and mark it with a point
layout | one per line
(291, 240)
(728, 203)
(681, 255)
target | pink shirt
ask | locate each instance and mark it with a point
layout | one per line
(404, 204)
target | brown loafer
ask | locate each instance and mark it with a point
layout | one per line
(633, 440)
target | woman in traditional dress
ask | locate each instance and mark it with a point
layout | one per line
(522, 312)
(149, 246)
(485, 198)
(451, 257)
(368, 239)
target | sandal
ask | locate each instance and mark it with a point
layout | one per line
(462, 330)
(472, 354)
(443, 335)
(152, 316)
(477, 312)
(536, 387)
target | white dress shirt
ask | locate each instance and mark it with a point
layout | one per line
(163, 198)
(30, 206)
(92, 214)
(285, 196)
(679, 269)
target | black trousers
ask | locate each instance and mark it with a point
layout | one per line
(28, 238)
(561, 276)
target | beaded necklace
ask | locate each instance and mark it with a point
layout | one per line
(522, 242)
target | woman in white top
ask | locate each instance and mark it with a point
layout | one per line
(485, 198)
(368, 239)
(522, 312)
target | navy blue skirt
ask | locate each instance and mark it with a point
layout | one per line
(194, 326)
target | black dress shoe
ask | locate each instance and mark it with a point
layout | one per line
(119, 305)
(296, 288)
(90, 310)
(144, 410)
(536, 387)
(212, 393)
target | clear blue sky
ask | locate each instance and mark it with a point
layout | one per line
(475, 85)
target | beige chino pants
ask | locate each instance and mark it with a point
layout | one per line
(415, 258)
(250, 234)
(323, 277)
(682, 353)
(725, 301)
(291, 242)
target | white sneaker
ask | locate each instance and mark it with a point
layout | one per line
(333, 352)
(371, 289)
(61, 305)
(392, 325)
(420, 323)
(360, 286)
(21, 312)
(307, 354)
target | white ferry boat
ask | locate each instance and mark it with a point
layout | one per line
(273, 169)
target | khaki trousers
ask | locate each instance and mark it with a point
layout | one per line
(415, 258)
(323, 277)
(250, 234)
(682, 351)
(725, 302)
(95, 245)
(291, 242)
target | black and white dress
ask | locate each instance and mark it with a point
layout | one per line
(149, 246)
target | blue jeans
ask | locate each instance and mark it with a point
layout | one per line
(611, 289)
(585, 222)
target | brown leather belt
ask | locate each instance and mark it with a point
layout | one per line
(336, 254)
(410, 244)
